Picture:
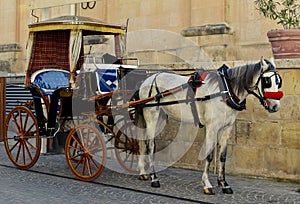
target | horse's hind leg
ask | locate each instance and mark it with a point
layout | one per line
(152, 119)
(222, 156)
(141, 136)
(141, 161)
(154, 180)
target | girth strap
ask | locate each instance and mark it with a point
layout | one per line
(195, 81)
(192, 101)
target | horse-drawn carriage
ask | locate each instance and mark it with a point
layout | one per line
(95, 104)
(72, 96)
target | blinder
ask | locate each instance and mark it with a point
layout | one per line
(267, 81)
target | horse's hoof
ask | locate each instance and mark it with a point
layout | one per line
(155, 184)
(209, 191)
(225, 187)
(227, 190)
(143, 177)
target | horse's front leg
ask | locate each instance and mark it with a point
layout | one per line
(208, 153)
(207, 187)
(222, 157)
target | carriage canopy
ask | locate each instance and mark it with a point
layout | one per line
(58, 43)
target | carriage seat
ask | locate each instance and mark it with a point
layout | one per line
(49, 80)
(107, 80)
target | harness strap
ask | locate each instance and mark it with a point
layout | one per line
(195, 82)
(158, 96)
(260, 98)
(191, 99)
(205, 98)
(232, 100)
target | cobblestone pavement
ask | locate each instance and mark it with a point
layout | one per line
(50, 181)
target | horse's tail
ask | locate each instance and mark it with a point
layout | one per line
(139, 115)
(140, 124)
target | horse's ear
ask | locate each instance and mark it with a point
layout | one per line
(272, 61)
(263, 64)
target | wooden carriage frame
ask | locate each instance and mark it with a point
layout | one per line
(55, 56)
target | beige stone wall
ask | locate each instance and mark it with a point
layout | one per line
(248, 40)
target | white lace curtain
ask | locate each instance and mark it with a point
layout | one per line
(29, 47)
(74, 51)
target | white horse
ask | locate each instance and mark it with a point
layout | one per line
(224, 92)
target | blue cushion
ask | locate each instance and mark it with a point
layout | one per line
(51, 80)
(107, 79)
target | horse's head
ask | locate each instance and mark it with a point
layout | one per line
(268, 84)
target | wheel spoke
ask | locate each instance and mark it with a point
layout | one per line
(81, 138)
(21, 120)
(27, 131)
(94, 162)
(132, 159)
(74, 148)
(17, 124)
(89, 166)
(96, 148)
(18, 152)
(78, 162)
(78, 141)
(23, 153)
(27, 150)
(26, 120)
(87, 138)
(13, 147)
(127, 156)
(83, 166)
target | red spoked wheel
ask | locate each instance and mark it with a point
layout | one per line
(22, 141)
(85, 152)
(127, 148)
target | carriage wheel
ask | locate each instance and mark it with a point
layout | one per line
(22, 141)
(85, 152)
(127, 148)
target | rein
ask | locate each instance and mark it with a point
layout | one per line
(232, 100)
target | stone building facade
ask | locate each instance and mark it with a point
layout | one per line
(241, 32)
(199, 33)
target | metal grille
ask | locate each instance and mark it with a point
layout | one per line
(16, 95)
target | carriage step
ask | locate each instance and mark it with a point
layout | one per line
(47, 136)
(51, 132)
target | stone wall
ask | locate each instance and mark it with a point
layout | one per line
(246, 39)
(261, 144)
(9, 54)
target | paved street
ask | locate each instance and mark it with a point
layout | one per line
(50, 181)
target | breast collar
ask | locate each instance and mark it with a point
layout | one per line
(231, 99)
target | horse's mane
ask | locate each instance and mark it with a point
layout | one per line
(241, 77)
